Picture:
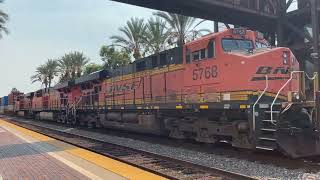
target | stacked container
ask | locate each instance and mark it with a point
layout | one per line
(4, 104)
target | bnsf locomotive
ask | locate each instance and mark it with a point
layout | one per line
(229, 86)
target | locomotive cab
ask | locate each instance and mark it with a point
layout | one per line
(218, 58)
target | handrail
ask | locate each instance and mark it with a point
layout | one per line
(75, 104)
(254, 105)
(285, 84)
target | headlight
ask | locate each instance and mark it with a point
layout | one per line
(285, 57)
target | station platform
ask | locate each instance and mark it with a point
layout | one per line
(25, 154)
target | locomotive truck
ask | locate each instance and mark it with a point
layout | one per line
(229, 86)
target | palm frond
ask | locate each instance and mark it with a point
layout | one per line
(180, 26)
(133, 36)
(3, 20)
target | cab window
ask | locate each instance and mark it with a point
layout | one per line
(196, 55)
(260, 45)
(236, 44)
(201, 54)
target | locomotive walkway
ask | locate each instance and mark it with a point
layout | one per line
(25, 154)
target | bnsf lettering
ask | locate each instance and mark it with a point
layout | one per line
(266, 70)
(269, 70)
(124, 87)
(207, 73)
(281, 70)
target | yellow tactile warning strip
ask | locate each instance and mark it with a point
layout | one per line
(112, 165)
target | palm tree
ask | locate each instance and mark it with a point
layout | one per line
(157, 35)
(71, 65)
(46, 73)
(52, 70)
(3, 20)
(132, 39)
(65, 67)
(182, 28)
(40, 76)
(80, 61)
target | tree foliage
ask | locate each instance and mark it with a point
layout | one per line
(46, 73)
(92, 67)
(114, 58)
(156, 36)
(3, 20)
(71, 65)
(182, 28)
(132, 38)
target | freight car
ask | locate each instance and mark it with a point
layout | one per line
(229, 86)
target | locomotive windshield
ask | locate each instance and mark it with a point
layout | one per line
(261, 45)
(236, 44)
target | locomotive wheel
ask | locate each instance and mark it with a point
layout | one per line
(91, 125)
(74, 121)
(204, 136)
(63, 119)
(176, 133)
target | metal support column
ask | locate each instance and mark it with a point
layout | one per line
(216, 26)
(315, 55)
(315, 34)
(280, 23)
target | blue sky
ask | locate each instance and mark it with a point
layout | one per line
(42, 29)
(47, 29)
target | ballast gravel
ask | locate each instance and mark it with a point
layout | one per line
(241, 166)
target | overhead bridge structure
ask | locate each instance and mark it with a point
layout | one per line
(254, 13)
(298, 29)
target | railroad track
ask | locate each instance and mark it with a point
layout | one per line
(155, 163)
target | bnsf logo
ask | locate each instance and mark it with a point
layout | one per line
(270, 70)
(267, 70)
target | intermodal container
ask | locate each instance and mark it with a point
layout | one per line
(2, 101)
(1, 109)
(5, 101)
(11, 99)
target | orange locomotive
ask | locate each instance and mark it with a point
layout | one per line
(228, 86)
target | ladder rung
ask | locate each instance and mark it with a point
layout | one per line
(268, 120)
(265, 129)
(265, 148)
(266, 138)
(275, 112)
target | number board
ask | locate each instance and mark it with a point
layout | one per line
(208, 72)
